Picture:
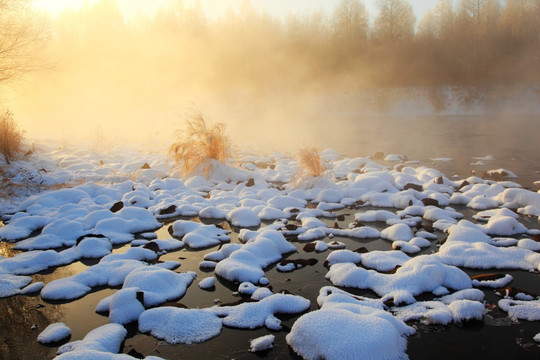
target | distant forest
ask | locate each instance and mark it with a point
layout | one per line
(466, 43)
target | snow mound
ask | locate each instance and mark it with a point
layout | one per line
(106, 338)
(334, 332)
(12, 284)
(248, 262)
(180, 326)
(420, 274)
(159, 285)
(243, 217)
(197, 235)
(251, 315)
(54, 333)
(262, 343)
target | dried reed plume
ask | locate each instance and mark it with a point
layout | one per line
(10, 136)
(199, 144)
(310, 162)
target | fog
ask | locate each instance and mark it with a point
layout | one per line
(281, 82)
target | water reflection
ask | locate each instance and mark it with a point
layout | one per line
(23, 318)
(509, 138)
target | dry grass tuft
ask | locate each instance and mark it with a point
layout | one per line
(310, 162)
(199, 144)
(10, 136)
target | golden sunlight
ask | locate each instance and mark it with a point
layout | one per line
(55, 7)
(128, 7)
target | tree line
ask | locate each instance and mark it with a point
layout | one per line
(456, 43)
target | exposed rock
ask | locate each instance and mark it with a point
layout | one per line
(117, 206)
(413, 186)
(168, 210)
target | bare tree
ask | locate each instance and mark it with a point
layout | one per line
(18, 35)
(395, 21)
(517, 24)
(351, 21)
(483, 14)
(438, 22)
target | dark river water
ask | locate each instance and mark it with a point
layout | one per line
(511, 141)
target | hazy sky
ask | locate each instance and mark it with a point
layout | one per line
(214, 8)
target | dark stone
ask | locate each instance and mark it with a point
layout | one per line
(145, 166)
(291, 227)
(361, 250)
(309, 247)
(82, 237)
(439, 180)
(134, 353)
(151, 246)
(170, 230)
(430, 202)
(413, 186)
(140, 297)
(294, 211)
(117, 206)
(250, 182)
(428, 227)
(536, 237)
(336, 225)
(462, 185)
(357, 224)
(168, 210)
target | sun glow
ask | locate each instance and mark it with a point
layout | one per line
(128, 7)
(55, 7)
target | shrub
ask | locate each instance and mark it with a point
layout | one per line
(310, 162)
(10, 136)
(199, 144)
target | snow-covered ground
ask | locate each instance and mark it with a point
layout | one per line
(402, 234)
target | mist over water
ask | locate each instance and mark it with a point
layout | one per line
(339, 80)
